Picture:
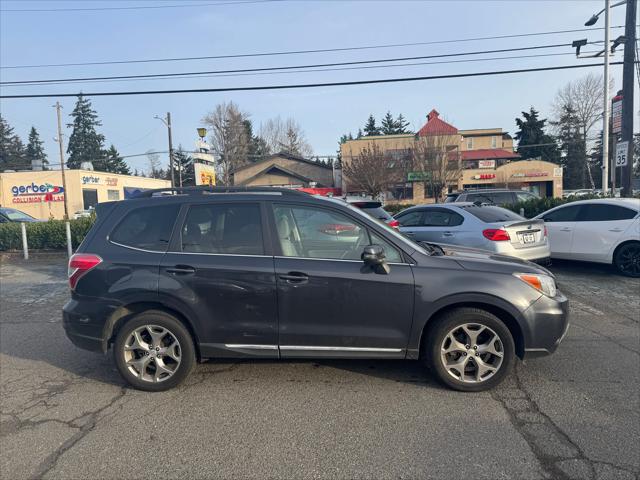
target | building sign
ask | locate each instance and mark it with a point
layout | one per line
(484, 176)
(616, 114)
(35, 193)
(205, 174)
(418, 176)
(90, 180)
(530, 174)
(486, 164)
(111, 181)
(557, 171)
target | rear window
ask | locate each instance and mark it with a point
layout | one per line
(603, 213)
(451, 198)
(379, 213)
(148, 228)
(491, 214)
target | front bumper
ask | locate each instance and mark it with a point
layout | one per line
(86, 324)
(547, 320)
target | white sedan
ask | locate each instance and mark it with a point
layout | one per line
(603, 230)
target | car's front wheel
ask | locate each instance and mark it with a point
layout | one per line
(470, 349)
(627, 259)
(154, 351)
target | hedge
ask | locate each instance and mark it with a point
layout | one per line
(395, 208)
(536, 206)
(50, 235)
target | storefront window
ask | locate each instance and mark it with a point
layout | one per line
(113, 195)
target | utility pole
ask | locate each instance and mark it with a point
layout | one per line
(60, 144)
(173, 180)
(628, 74)
(605, 123)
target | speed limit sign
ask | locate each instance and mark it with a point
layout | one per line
(621, 154)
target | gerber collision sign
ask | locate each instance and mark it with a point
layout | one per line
(37, 193)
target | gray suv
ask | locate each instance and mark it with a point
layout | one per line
(165, 281)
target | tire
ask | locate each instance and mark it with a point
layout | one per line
(627, 259)
(154, 351)
(495, 350)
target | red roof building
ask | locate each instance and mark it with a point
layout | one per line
(435, 126)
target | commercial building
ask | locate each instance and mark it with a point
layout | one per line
(480, 158)
(41, 193)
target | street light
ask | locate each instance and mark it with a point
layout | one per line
(202, 132)
(594, 18)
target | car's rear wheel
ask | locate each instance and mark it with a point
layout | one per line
(627, 259)
(470, 350)
(154, 351)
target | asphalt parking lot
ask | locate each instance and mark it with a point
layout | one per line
(65, 413)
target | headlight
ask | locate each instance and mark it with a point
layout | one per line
(542, 283)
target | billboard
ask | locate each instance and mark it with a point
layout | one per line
(205, 174)
(486, 164)
(616, 114)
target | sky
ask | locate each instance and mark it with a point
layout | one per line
(187, 28)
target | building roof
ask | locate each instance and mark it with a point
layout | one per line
(274, 168)
(287, 155)
(488, 154)
(435, 126)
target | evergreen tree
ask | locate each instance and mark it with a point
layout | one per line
(258, 147)
(359, 134)
(572, 148)
(370, 128)
(112, 162)
(183, 165)
(85, 143)
(12, 152)
(532, 140)
(35, 150)
(389, 126)
(401, 125)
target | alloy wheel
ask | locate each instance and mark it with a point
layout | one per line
(628, 260)
(152, 353)
(472, 353)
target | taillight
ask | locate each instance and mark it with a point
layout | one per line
(545, 231)
(496, 234)
(79, 264)
(394, 223)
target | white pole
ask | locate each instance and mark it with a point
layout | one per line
(25, 247)
(69, 246)
(605, 117)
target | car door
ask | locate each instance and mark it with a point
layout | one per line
(329, 302)
(561, 223)
(438, 225)
(410, 222)
(597, 230)
(220, 269)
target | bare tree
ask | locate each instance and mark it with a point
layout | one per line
(585, 96)
(285, 136)
(373, 171)
(154, 164)
(437, 159)
(229, 139)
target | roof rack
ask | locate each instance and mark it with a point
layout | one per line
(205, 189)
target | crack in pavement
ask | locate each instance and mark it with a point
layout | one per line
(552, 447)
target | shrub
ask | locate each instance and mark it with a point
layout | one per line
(395, 208)
(50, 235)
(536, 206)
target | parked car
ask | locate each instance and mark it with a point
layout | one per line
(13, 215)
(497, 196)
(605, 230)
(373, 208)
(165, 281)
(84, 213)
(486, 227)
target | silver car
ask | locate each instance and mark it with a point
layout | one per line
(485, 227)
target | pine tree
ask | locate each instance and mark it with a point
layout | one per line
(112, 162)
(401, 125)
(389, 126)
(370, 128)
(532, 140)
(572, 148)
(85, 143)
(12, 152)
(35, 150)
(359, 134)
(183, 165)
(258, 147)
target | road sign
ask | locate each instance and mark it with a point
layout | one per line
(621, 153)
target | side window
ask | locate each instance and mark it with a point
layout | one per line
(391, 252)
(410, 219)
(502, 198)
(226, 229)
(603, 213)
(441, 218)
(524, 196)
(148, 228)
(564, 214)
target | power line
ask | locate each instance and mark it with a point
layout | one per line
(307, 85)
(140, 7)
(288, 67)
(297, 52)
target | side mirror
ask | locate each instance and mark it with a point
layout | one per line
(373, 257)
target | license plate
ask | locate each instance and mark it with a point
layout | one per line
(528, 238)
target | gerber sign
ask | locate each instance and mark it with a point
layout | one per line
(37, 193)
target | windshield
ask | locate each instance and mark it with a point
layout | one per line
(491, 214)
(15, 215)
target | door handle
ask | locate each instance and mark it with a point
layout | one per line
(295, 277)
(410, 234)
(617, 230)
(447, 234)
(181, 270)
(565, 229)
